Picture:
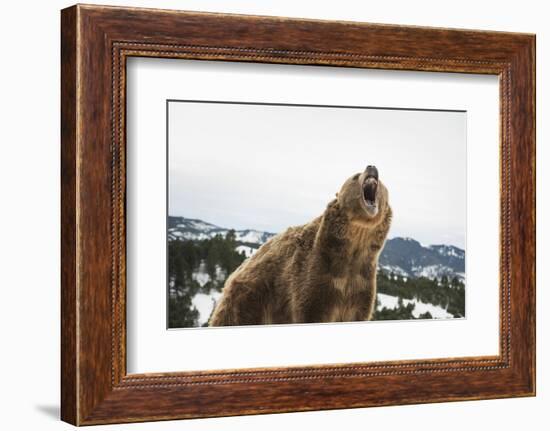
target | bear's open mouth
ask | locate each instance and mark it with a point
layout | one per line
(370, 187)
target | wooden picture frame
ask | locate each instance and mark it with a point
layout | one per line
(95, 43)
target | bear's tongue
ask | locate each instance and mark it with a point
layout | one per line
(369, 190)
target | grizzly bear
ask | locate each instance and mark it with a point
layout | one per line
(322, 271)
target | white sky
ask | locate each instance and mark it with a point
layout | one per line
(269, 167)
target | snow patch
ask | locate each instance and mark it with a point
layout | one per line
(420, 307)
(205, 303)
(252, 236)
(248, 251)
(201, 276)
(386, 301)
(448, 250)
(395, 269)
(200, 225)
(391, 302)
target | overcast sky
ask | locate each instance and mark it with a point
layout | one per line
(270, 167)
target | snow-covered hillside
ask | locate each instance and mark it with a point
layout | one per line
(392, 302)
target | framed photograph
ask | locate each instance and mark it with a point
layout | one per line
(343, 229)
(267, 214)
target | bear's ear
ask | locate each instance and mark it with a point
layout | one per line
(336, 195)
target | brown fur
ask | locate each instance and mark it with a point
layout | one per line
(323, 271)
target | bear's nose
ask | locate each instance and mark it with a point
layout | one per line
(372, 171)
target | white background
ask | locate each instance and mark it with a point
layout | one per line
(29, 224)
(151, 81)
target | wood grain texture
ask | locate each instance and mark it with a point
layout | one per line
(96, 41)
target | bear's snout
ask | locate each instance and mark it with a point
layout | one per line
(372, 172)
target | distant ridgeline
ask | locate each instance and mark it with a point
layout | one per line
(414, 281)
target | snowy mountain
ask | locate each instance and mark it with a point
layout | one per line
(405, 257)
(186, 228)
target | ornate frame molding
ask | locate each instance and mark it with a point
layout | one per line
(96, 41)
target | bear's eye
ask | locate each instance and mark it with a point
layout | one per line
(355, 176)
